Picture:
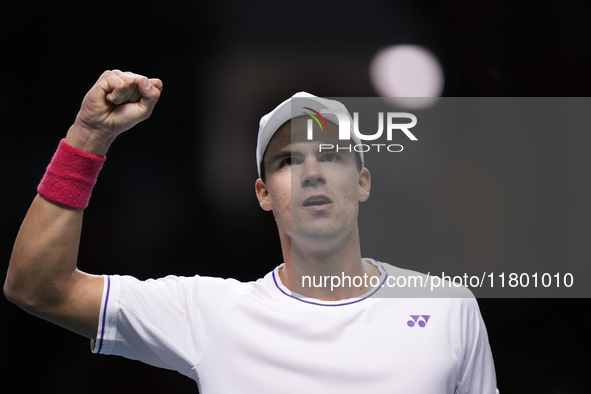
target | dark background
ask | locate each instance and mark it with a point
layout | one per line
(177, 192)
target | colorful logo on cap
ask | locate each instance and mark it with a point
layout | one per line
(315, 118)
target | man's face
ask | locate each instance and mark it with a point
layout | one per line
(314, 195)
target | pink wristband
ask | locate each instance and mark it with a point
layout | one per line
(70, 177)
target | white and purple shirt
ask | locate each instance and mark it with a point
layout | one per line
(234, 337)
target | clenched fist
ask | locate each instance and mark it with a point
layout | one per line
(117, 102)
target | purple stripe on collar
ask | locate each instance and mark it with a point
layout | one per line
(345, 303)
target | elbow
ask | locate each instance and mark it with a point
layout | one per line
(10, 293)
(20, 297)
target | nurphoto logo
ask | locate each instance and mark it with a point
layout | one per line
(344, 123)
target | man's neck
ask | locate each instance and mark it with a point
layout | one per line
(311, 268)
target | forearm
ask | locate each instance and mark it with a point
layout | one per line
(42, 269)
(42, 276)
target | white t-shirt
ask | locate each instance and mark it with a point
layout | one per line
(234, 337)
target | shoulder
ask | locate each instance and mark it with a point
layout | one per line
(213, 289)
(402, 282)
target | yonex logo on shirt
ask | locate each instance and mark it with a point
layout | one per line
(421, 320)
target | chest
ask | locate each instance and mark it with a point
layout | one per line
(409, 346)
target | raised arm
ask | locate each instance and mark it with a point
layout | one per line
(42, 276)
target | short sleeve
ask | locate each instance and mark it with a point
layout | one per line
(477, 368)
(166, 322)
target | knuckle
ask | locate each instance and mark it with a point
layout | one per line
(129, 76)
(104, 76)
(118, 83)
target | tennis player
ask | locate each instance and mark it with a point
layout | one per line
(294, 330)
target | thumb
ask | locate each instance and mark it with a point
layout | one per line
(150, 91)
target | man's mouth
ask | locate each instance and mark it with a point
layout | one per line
(316, 201)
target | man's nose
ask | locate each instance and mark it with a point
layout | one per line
(312, 173)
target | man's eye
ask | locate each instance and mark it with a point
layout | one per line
(288, 161)
(330, 157)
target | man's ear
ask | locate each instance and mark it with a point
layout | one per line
(263, 195)
(364, 184)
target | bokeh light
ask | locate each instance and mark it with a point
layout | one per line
(407, 71)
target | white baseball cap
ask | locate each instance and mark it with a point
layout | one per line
(291, 108)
